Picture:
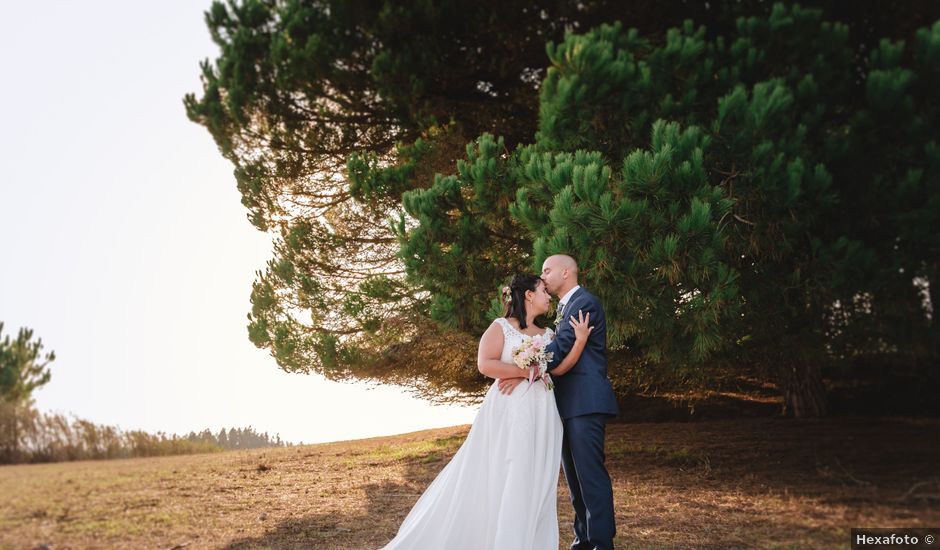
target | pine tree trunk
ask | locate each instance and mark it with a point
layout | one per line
(6, 433)
(14, 458)
(804, 395)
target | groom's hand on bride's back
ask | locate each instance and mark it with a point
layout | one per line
(507, 385)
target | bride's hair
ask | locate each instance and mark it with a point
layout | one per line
(514, 295)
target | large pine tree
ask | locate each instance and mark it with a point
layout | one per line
(755, 189)
(748, 199)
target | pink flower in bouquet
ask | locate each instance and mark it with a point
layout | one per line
(531, 355)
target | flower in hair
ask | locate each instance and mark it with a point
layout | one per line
(507, 293)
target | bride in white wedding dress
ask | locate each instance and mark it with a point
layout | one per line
(499, 492)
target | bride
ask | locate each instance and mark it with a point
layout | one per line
(499, 490)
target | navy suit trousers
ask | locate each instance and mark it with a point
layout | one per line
(582, 455)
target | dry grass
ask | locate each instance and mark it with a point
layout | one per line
(763, 483)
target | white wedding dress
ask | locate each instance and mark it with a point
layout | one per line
(499, 492)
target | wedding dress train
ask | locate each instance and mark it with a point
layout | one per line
(499, 492)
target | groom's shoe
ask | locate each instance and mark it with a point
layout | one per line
(587, 546)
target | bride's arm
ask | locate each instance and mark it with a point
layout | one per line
(488, 356)
(582, 331)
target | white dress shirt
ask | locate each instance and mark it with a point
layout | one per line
(564, 299)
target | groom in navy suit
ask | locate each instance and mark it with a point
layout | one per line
(585, 401)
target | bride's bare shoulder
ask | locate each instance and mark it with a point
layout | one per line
(496, 326)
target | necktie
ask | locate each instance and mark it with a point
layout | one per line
(561, 314)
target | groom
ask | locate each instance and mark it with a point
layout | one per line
(585, 401)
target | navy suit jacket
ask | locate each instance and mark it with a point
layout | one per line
(585, 389)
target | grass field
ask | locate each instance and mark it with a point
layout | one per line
(761, 483)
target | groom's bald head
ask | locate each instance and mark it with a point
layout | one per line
(566, 262)
(560, 273)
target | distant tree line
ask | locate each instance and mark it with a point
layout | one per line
(28, 435)
(237, 438)
(31, 436)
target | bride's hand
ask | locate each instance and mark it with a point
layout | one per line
(580, 325)
(506, 385)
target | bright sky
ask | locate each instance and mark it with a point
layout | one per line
(125, 246)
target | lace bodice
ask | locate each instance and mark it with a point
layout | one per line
(512, 338)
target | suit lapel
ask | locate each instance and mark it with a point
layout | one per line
(569, 310)
(577, 294)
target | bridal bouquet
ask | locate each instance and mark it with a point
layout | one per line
(531, 355)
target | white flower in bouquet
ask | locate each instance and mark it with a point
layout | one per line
(531, 355)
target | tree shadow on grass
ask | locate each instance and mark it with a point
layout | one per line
(371, 526)
(766, 481)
